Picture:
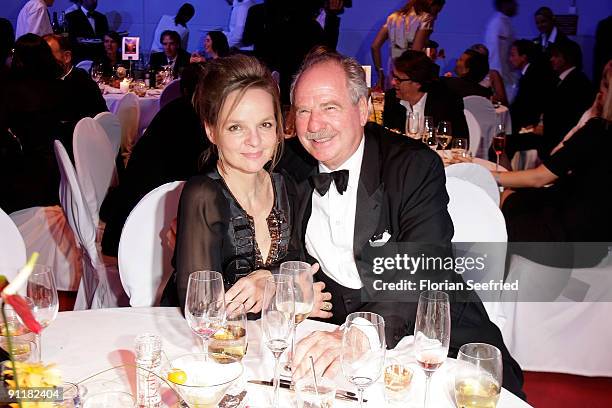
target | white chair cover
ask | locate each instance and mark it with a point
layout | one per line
(85, 64)
(480, 230)
(12, 247)
(128, 113)
(171, 92)
(111, 125)
(94, 161)
(484, 112)
(474, 131)
(477, 175)
(99, 286)
(144, 255)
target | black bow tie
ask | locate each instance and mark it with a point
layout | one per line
(322, 181)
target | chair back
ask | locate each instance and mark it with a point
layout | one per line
(94, 161)
(128, 113)
(477, 175)
(112, 126)
(85, 64)
(483, 112)
(144, 254)
(12, 247)
(171, 92)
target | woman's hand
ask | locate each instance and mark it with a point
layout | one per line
(249, 290)
(195, 57)
(321, 305)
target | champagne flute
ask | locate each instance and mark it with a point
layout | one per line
(277, 320)
(205, 304)
(432, 333)
(363, 350)
(42, 292)
(304, 296)
(478, 376)
(413, 127)
(499, 143)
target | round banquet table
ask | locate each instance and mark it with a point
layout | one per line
(83, 343)
(149, 106)
(489, 165)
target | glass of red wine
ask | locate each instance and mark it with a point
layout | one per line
(432, 333)
(499, 143)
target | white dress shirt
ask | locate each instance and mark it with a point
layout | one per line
(91, 20)
(166, 22)
(330, 230)
(33, 18)
(544, 40)
(565, 73)
(498, 39)
(238, 17)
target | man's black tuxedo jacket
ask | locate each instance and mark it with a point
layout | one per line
(79, 26)
(441, 104)
(534, 92)
(159, 59)
(402, 191)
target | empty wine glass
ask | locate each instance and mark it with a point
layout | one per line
(205, 304)
(478, 375)
(42, 292)
(432, 333)
(428, 129)
(444, 134)
(499, 143)
(96, 72)
(413, 125)
(363, 350)
(304, 295)
(277, 320)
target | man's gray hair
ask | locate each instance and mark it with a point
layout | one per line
(355, 75)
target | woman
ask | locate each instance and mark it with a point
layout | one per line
(406, 28)
(493, 79)
(575, 208)
(112, 53)
(236, 218)
(215, 46)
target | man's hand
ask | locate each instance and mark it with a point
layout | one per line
(324, 347)
(321, 306)
(249, 291)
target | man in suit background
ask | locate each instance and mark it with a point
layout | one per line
(549, 33)
(368, 185)
(471, 68)
(417, 88)
(86, 23)
(173, 55)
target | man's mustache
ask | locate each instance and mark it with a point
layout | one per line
(321, 134)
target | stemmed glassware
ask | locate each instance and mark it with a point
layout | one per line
(205, 304)
(304, 295)
(432, 333)
(478, 375)
(444, 134)
(97, 72)
(42, 292)
(413, 125)
(499, 143)
(363, 350)
(278, 319)
(428, 130)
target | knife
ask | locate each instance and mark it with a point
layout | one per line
(340, 394)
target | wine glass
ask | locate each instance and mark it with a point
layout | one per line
(413, 125)
(459, 146)
(205, 304)
(428, 129)
(96, 73)
(303, 293)
(42, 292)
(363, 350)
(444, 134)
(478, 375)
(499, 143)
(277, 320)
(432, 333)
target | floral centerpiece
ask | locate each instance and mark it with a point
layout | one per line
(21, 376)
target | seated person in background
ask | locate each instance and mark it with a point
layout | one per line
(418, 89)
(176, 23)
(493, 79)
(549, 34)
(576, 207)
(112, 54)
(380, 183)
(173, 55)
(87, 97)
(169, 150)
(235, 218)
(215, 46)
(471, 68)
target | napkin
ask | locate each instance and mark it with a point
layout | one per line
(111, 90)
(154, 92)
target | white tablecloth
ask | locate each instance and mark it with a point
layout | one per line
(86, 342)
(149, 106)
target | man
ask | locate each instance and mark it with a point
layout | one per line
(498, 39)
(173, 55)
(471, 68)
(176, 23)
(88, 100)
(549, 34)
(34, 18)
(385, 188)
(86, 22)
(417, 88)
(238, 16)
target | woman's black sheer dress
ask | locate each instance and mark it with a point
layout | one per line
(215, 233)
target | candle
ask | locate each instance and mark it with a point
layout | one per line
(124, 86)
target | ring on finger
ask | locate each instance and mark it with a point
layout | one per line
(326, 306)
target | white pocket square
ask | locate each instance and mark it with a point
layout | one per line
(380, 241)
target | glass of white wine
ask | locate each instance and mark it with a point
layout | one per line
(444, 134)
(229, 343)
(478, 376)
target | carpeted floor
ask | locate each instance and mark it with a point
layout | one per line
(552, 390)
